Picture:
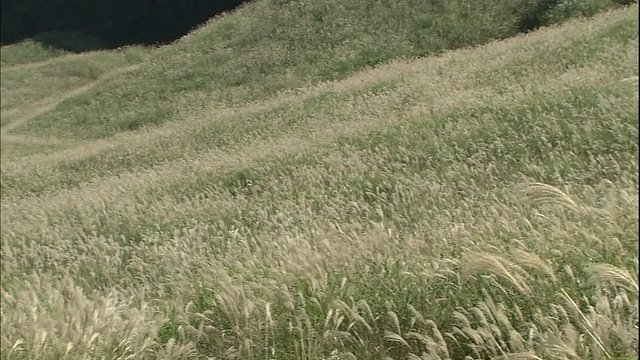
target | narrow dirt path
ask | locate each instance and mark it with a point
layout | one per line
(49, 61)
(49, 104)
(28, 140)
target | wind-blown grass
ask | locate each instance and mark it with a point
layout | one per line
(482, 203)
(270, 46)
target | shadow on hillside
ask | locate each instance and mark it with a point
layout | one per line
(85, 26)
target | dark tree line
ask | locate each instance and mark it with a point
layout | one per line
(114, 23)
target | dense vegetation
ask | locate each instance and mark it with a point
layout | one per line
(273, 46)
(328, 180)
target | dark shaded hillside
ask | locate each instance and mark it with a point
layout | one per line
(111, 23)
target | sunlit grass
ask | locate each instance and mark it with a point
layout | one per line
(482, 203)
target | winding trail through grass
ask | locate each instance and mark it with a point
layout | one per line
(51, 61)
(51, 103)
(28, 140)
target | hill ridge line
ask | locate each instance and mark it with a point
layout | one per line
(393, 70)
(362, 78)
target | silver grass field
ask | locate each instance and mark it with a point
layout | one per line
(477, 204)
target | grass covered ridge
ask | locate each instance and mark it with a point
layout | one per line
(480, 203)
(272, 46)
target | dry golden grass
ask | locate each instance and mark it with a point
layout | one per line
(479, 204)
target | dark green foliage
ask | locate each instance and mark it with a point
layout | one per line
(538, 13)
(532, 16)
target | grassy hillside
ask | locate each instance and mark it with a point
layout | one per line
(271, 46)
(482, 202)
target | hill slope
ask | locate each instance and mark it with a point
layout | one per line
(483, 203)
(273, 46)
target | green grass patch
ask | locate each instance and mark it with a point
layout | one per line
(249, 56)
